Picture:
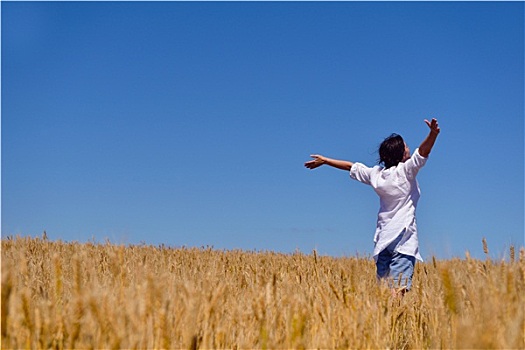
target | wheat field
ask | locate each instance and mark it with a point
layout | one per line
(58, 295)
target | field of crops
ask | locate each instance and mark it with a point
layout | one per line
(105, 296)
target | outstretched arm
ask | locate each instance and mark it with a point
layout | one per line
(319, 160)
(428, 142)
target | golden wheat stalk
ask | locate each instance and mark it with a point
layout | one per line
(72, 295)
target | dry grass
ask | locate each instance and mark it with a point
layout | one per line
(105, 296)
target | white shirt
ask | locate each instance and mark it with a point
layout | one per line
(399, 193)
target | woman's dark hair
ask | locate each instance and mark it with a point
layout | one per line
(391, 151)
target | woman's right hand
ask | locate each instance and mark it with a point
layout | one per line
(433, 125)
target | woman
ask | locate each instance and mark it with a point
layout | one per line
(394, 180)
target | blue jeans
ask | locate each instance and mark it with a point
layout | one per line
(397, 268)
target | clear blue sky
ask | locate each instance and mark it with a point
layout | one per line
(189, 123)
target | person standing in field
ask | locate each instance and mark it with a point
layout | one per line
(394, 180)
